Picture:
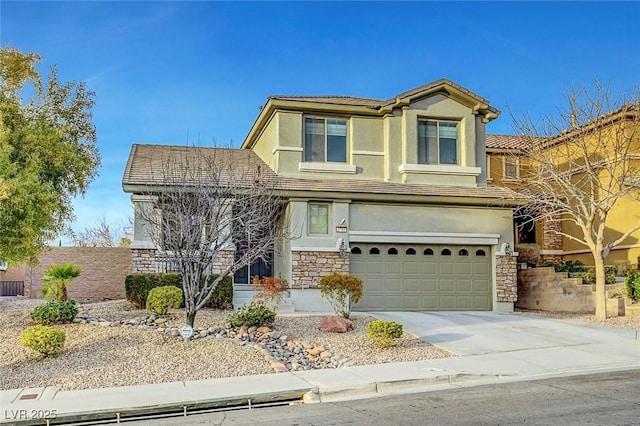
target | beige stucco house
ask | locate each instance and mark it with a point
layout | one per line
(393, 191)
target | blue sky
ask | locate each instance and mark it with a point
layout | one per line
(171, 72)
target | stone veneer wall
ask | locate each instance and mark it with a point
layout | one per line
(307, 267)
(551, 239)
(506, 279)
(224, 259)
(143, 261)
(103, 272)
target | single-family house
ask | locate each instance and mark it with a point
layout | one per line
(393, 191)
(508, 163)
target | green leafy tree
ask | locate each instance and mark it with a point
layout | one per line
(57, 278)
(48, 153)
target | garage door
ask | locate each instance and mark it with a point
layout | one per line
(408, 277)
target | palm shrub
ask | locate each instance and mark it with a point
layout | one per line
(47, 340)
(341, 290)
(161, 299)
(57, 278)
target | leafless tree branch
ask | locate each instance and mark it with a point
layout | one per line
(581, 163)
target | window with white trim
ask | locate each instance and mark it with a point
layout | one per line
(325, 140)
(318, 218)
(437, 142)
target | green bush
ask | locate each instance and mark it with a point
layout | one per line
(341, 291)
(254, 314)
(54, 311)
(565, 266)
(384, 333)
(632, 285)
(222, 297)
(163, 298)
(588, 274)
(49, 341)
(138, 286)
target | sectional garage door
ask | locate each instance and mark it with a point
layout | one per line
(407, 277)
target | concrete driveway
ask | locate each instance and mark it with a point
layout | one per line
(473, 333)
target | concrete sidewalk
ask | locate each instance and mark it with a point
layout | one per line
(608, 350)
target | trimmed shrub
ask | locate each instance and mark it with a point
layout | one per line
(384, 333)
(138, 286)
(163, 298)
(632, 285)
(254, 314)
(48, 341)
(53, 311)
(341, 290)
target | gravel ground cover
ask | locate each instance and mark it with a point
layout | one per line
(98, 357)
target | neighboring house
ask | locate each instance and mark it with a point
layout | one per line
(506, 166)
(393, 191)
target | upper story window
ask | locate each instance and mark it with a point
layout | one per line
(437, 142)
(318, 218)
(511, 167)
(325, 139)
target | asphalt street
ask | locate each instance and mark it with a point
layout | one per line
(596, 399)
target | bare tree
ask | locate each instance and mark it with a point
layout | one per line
(581, 163)
(104, 234)
(216, 210)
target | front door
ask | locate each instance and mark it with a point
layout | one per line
(261, 268)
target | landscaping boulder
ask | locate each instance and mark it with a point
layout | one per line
(335, 324)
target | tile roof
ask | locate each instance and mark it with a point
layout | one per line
(146, 166)
(149, 164)
(378, 103)
(337, 100)
(504, 141)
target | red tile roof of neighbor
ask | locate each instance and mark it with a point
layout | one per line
(504, 141)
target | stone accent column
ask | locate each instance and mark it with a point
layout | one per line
(506, 278)
(143, 261)
(307, 267)
(552, 241)
(222, 261)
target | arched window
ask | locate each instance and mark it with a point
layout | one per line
(410, 251)
(480, 252)
(374, 250)
(428, 252)
(392, 250)
(356, 250)
(463, 252)
(445, 252)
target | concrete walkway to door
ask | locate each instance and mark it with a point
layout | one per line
(475, 333)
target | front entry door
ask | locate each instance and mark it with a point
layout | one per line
(261, 268)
